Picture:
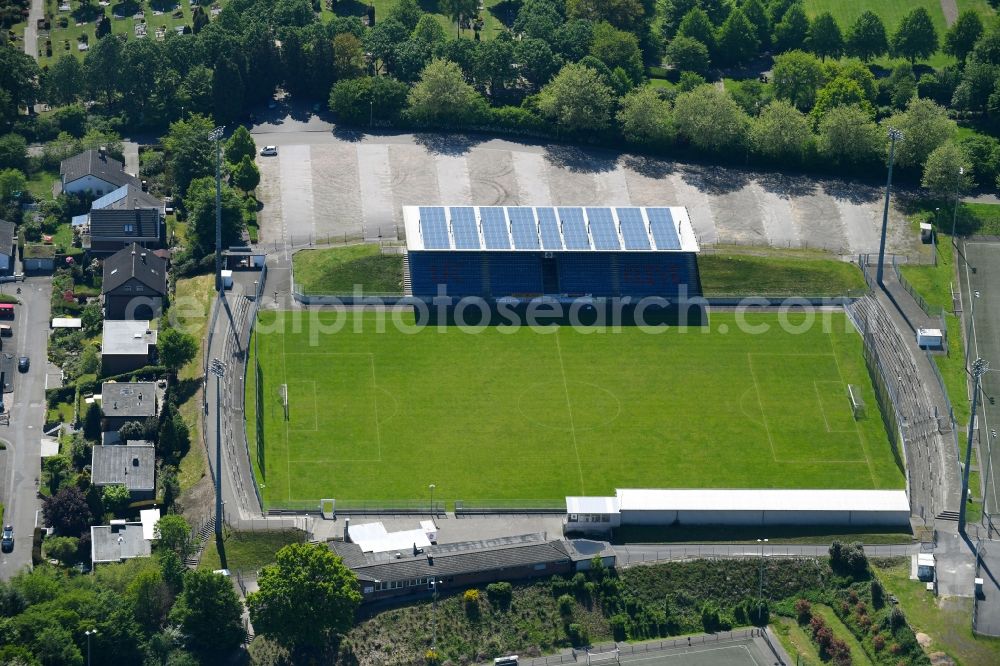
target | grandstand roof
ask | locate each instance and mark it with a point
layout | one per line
(763, 499)
(549, 228)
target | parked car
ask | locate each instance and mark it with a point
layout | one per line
(269, 151)
(23, 363)
(7, 542)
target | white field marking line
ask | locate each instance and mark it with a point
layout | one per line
(760, 403)
(335, 461)
(315, 427)
(822, 411)
(686, 653)
(288, 443)
(378, 429)
(857, 428)
(569, 408)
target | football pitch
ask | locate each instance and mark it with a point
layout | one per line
(539, 414)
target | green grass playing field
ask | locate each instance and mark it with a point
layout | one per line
(531, 416)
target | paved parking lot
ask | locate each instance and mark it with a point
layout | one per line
(322, 184)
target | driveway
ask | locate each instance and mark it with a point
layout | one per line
(22, 437)
(328, 183)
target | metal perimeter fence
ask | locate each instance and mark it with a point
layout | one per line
(412, 506)
(637, 555)
(603, 651)
(258, 395)
(929, 310)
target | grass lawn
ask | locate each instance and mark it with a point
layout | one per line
(739, 274)
(946, 620)
(337, 270)
(540, 414)
(248, 551)
(980, 218)
(40, 184)
(796, 642)
(191, 306)
(858, 655)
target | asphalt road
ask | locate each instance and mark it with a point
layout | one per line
(22, 437)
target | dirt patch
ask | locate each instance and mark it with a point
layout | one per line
(950, 10)
(940, 659)
(195, 504)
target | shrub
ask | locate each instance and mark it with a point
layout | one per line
(878, 642)
(619, 626)
(432, 658)
(896, 618)
(500, 594)
(577, 634)
(566, 603)
(471, 601)
(803, 611)
(710, 619)
(878, 594)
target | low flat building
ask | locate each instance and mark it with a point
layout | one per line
(132, 465)
(126, 345)
(118, 542)
(712, 506)
(458, 565)
(122, 402)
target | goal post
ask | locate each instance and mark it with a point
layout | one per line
(609, 657)
(283, 390)
(857, 402)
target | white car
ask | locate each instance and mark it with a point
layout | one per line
(269, 151)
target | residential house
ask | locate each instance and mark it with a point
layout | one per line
(112, 229)
(118, 542)
(122, 402)
(417, 570)
(94, 172)
(132, 465)
(127, 345)
(8, 248)
(135, 284)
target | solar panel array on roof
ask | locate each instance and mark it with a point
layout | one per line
(563, 228)
(574, 229)
(523, 228)
(434, 228)
(548, 226)
(602, 229)
(495, 228)
(633, 229)
(464, 228)
(661, 223)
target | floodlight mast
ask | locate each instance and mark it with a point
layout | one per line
(979, 368)
(218, 368)
(216, 135)
(894, 136)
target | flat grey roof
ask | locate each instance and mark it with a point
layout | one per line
(133, 466)
(129, 399)
(116, 543)
(127, 338)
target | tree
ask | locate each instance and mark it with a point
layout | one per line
(781, 132)
(493, 65)
(174, 534)
(673, 12)
(947, 172)
(842, 91)
(175, 348)
(757, 15)
(443, 97)
(12, 184)
(200, 204)
(115, 498)
(737, 42)
(825, 38)
(709, 119)
(616, 48)
(132, 431)
(67, 511)
(792, 31)
(916, 36)
(245, 175)
(366, 99)
(686, 54)
(92, 422)
(538, 20)
(62, 549)
(866, 37)
(577, 100)
(982, 152)
(58, 469)
(210, 615)
(305, 598)
(623, 14)
(64, 81)
(697, 25)
(103, 28)
(190, 153)
(13, 152)
(349, 55)
(925, 126)
(963, 34)
(227, 91)
(150, 598)
(195, 93)
(18, 87)
(537, 61)
(797, 76)
(407, 12)
(458, 10)
(240, 145)
(645, 118)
